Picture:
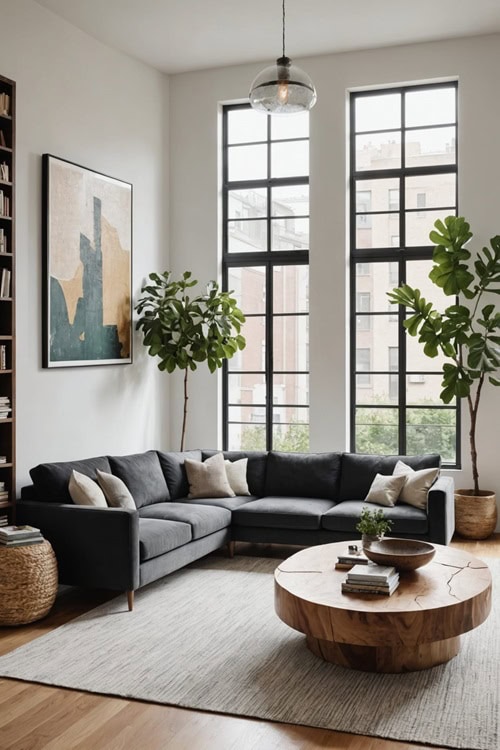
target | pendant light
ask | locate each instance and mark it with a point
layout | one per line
(283, 88)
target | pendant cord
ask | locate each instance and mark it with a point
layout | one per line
(283, 28)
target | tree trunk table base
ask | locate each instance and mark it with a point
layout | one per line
(417, 627)
(384, 659)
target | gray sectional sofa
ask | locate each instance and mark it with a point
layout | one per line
(302, 499)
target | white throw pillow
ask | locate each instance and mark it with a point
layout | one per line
(84, 491)
(208, 478)
(237, 476)
(417, 484)
(115, 491)
(385, 490)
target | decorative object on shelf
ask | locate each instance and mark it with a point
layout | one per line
(403, 554)
(87, 266)
(184, 331)
(372, 525)
(283, 88)
(469, 337)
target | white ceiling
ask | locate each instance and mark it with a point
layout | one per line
(179, 35)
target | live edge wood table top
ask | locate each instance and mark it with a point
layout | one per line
(418, 627)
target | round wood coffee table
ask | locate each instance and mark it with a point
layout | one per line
(418, 627)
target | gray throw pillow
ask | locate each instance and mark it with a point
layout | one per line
(208, 478)
(84, 491)
(385, 490)
(115, 491)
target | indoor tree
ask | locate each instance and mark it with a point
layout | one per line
(184, 331)
(467, 334)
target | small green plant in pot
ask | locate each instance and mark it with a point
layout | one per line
(467, 333)
(373, 524)
(183, 331)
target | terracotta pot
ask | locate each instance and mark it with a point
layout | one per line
(475, 515)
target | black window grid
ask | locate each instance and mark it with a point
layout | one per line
(401, 254)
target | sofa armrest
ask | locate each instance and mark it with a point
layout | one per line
(94, 547)
(441, 510)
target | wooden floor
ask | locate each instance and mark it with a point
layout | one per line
(36, 717)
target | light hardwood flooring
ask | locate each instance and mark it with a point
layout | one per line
(37, 717)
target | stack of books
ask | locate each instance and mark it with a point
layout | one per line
(371, 579)
(5, 407)
(4, 520)
(351, 557)
(17, 536)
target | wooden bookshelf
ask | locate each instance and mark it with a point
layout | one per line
(7, 299)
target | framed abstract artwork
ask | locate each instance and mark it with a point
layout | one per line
(87, 266)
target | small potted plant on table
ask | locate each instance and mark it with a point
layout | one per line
(372, 525)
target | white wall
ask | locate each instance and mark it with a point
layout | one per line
(84, 102)
(194, 179)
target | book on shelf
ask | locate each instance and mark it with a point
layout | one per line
(4, 171)
(372, 572)
(4, 204)
(3, 241)
(5, 104)
(14, 533)
(5, 283)
(2, 139)
(3, 459)
(3, 357)
(4, 520)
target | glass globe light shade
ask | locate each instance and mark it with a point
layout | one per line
(282, 89)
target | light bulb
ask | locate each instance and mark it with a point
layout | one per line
(283, 92)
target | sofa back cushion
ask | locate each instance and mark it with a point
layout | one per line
(256, 467)
(303, 475)
(172, 466)
(359, 471)
(142, 474)
(51, 480)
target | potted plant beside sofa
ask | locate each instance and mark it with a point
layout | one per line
(467, 333)
(184, 331)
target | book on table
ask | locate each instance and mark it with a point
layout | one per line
(350, 558)
(371, 579)
(371, 572)
(360, 588)
(21, 542)
(15, 533)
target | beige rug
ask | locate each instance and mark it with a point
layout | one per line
(207, 638)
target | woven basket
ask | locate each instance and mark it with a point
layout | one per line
(28, 583)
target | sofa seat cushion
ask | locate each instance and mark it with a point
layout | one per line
(345, 516)
(283, 512)
(202, 519)
(156, 537)
(51, 480)
(231, 503)
(172, 465)
(142, 474)
(314, 475)
(359, 470)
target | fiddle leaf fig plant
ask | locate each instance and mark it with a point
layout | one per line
(183, 330)
(467, 333)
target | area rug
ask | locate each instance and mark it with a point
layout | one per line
(207, 638)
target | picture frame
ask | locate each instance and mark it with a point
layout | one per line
(87, 266)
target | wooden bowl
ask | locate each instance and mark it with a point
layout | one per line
(403, 554)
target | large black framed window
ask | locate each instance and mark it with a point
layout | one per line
(265, 243)
(403, 176)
